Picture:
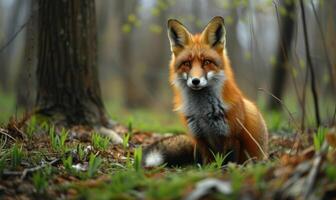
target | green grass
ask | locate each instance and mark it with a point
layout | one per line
(152, 120)
(7, 107)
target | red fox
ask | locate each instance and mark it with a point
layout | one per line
(220, 119)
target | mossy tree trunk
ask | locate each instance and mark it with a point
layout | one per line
(67, 78)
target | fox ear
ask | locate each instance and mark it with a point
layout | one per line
(214, 33)
(178, 35)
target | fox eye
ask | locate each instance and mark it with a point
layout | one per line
(206, 62)
(187, 63)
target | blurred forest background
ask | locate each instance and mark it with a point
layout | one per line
(265, 42)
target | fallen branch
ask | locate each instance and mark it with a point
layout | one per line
(5, 132)
(312, 176)
(253, 139)
(24, 173)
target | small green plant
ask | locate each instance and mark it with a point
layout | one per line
(137, 159)
(16, 155)
(331, 172)
(58, 141)
(45, 126)
(94, 164)
(99, 141)
(31, 127)
(236, 176)
(40, 179)
(319, 138)
(80, 152)
(219, 160)
(126, 138)
(129, 161)
(67, 163)
(130, 126)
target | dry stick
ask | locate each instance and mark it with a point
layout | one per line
(25, 172)
(254, 140)
(281, 103)
(312, 176)
(4, 132)
(330, 68)
(310, 65)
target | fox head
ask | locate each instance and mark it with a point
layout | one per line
(198, 61)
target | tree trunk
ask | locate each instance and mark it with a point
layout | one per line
(67, 79)
(280, 70)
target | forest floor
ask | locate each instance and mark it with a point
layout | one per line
(41, 161)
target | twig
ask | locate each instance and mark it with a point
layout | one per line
(310, 65)
(14, 36)
(281, 103)
(253, 139)
(26, 171)
(312, 176)
(29, 170)
(4, 132)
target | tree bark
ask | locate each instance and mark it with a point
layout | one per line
(67, 78)
(280, 71)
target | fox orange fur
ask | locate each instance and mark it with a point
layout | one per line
(220, 119)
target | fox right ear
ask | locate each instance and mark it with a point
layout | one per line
(178, 35)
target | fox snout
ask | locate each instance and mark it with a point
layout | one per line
(197, 83)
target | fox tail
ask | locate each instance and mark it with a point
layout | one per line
(173, 151)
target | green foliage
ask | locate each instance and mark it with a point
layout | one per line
(67, 163)
(40, 179)
(94, 164)
(31, 127)
(236, 177)
(319, 138)
(137, 159)
(126, 138)
(147, 120)
(58, 141)
(258, 171)
(331, 172)
(16, 155)
(219, 160)
(100, 142)
(80, 151)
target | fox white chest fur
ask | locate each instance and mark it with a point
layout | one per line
(205, 112)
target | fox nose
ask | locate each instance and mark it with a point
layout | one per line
(195, 81)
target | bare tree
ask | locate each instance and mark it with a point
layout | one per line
(280, 70)
(67, 80)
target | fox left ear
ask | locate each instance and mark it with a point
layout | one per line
(178, 35)
(214, 33)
